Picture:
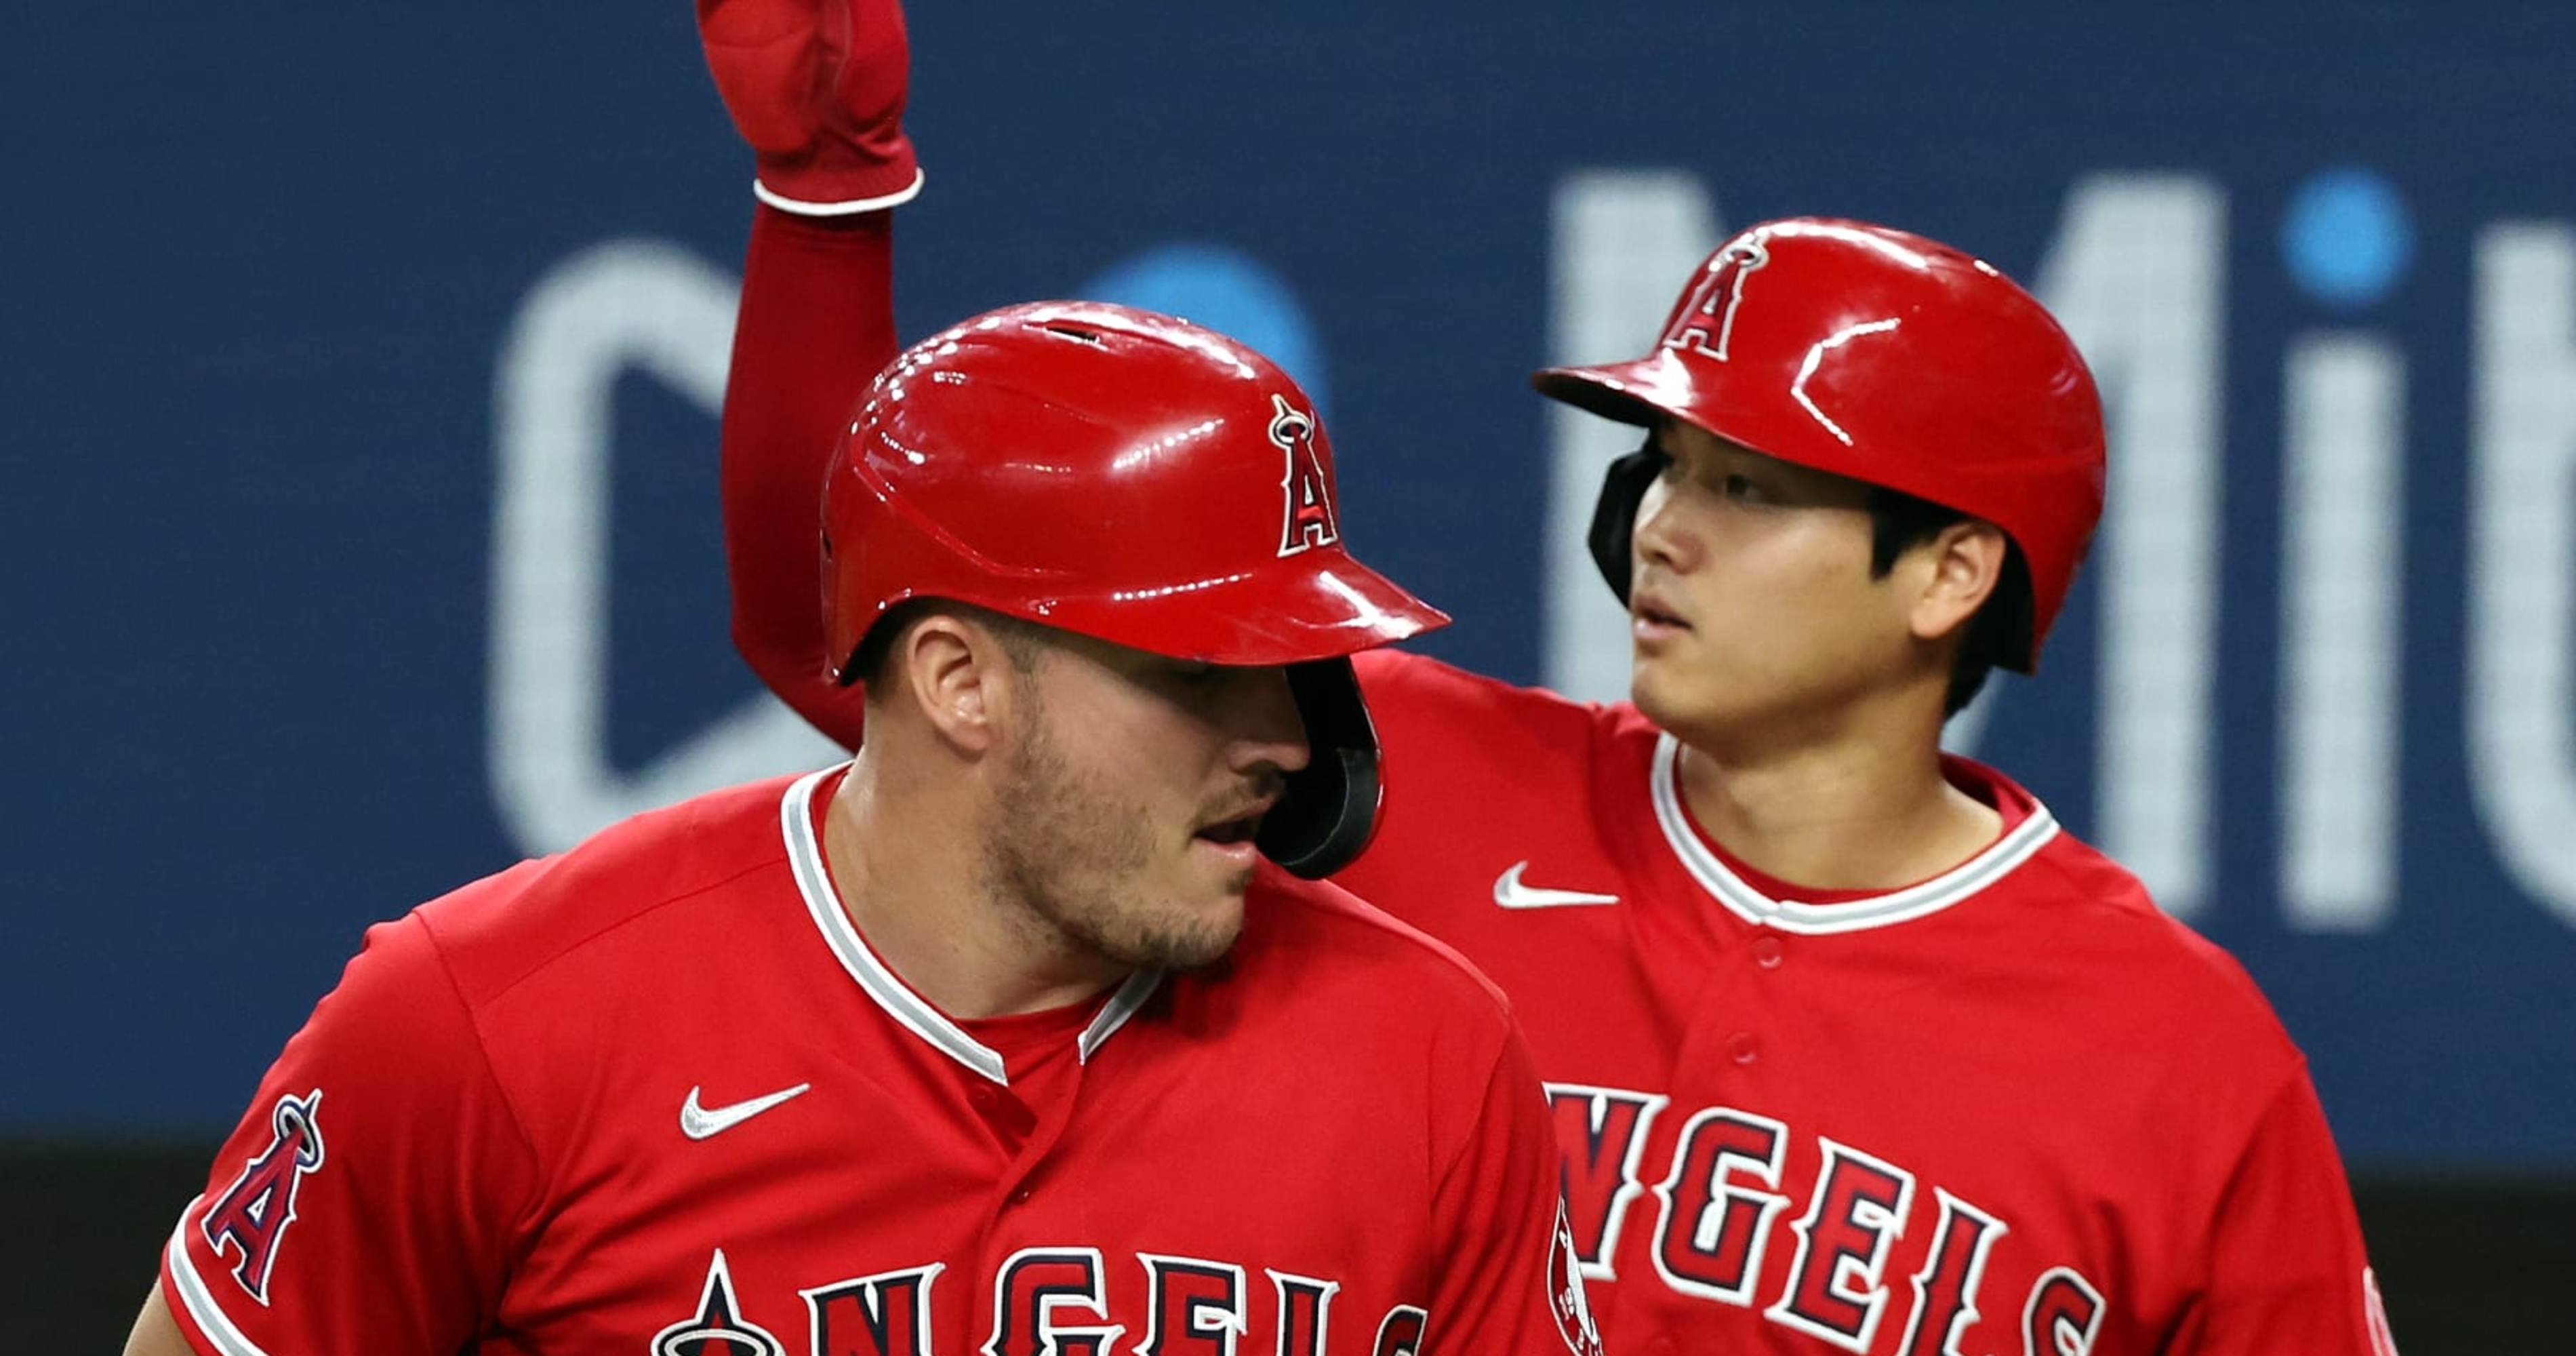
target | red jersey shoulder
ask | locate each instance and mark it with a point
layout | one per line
(503, 928)
(1306, 937)
(1414, 697)
(2169, 977)
(1343, 1005)
(1446, 731)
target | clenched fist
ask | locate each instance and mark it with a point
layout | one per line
(817, 87)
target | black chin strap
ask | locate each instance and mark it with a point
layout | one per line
(1614, 514)
(1329, 808)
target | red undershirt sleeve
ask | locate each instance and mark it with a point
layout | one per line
(816, 323)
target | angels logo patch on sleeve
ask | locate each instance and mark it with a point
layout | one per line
(1565, 1292)
(250, 1218)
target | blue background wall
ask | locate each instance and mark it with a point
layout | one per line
(274, 313)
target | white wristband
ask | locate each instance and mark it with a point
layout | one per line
(802, 208)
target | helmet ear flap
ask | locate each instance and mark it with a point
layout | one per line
(1614, 514)
(1329, 807)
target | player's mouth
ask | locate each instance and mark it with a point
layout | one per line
(1232, 836)
(1650, 618)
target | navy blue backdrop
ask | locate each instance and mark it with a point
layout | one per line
(359, 529)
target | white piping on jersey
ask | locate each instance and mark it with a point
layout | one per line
(805, 855)
(1789, 915)
(199, 1301)
(1122, 1005)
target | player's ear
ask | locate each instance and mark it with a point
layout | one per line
(959, 675)
(1961, 567)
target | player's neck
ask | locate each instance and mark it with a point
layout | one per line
(907, 871)
(1861, 806)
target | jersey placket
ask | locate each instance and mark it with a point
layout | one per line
(1028, 1136)
(1018, 1137)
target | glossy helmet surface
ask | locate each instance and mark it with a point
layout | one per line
(1883, 356)
(1134, 478)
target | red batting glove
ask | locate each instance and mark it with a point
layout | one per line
(817, 87)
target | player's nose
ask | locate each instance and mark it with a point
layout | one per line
(1263, 726)
(1661, 535)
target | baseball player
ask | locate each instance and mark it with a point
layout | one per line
(1013, 1035)
(1851, 1046)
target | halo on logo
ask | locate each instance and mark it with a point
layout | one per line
(1306, 514)
(718, 1328)
(1713, 304)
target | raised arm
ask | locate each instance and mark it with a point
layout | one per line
(817, 90)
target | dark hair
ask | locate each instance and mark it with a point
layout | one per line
(1899, 522)
(1023, 641)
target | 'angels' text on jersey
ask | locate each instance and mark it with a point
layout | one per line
(1718, 1206)
(1050, 1301)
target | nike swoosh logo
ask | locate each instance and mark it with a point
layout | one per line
(1511, 894)
(699, 1122)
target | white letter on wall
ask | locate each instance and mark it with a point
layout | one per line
(618, 305)
(1624, 242)
(2522, 557)
(2343, 551)
(2136, 276)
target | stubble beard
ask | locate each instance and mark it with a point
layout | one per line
(1065, 853)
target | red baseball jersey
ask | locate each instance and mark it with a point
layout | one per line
(657, 1097)
(2013, 1108)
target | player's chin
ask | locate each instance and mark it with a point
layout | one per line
(1196, 908)
(1664, 655)
(1657, 691)
(1217, 897)
(1193, 939)
(1687, 706)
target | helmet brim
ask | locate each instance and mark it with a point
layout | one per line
(1637, 392)
(1333, 608)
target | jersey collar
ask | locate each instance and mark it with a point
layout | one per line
(1790, 915)
(881, 984)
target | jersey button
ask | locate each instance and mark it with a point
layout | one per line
(1768, 952)
(1741, 1048)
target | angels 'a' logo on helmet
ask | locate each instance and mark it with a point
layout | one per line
(1706, 323)
(1306, 518)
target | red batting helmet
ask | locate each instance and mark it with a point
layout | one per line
(1134, 478)
(1879, 355)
